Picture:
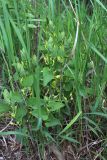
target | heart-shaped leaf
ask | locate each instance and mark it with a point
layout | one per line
(52, 121)
(55, 105)
(4, 107)
(27, 81)
(6, 96)
(47, 76)
(35, 103)
(20, 113)
(40, 113)
(15, 97)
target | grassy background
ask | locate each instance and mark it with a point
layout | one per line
(53, 56)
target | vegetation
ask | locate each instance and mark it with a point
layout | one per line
(54, 74)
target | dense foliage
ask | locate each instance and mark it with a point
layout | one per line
(53, 72)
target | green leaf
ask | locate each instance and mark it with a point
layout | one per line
(27, 81)
(20, 37)
(47, 76)
(40, 113)
(20, 68)
(93, 130)
(55, 105)
(48, 135)
(71, 123)
(104, 115)
(101, 4)
(4, 107)
(35, 102)
(82, 92)
(20, 113)
(15, 97)
(93, 123)
(72, 140)
(90, 121)
(52, 121)
(98, 53)
(31, 26)
(6, 96)
(13, 133)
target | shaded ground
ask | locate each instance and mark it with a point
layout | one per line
(11, 149)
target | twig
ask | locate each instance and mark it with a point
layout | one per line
(56, 152)
(73, 9)
(77, 31)
(6, 126)
(101, 150)
(5, 143)
(89, 145)
(72, 54)
(75, 42)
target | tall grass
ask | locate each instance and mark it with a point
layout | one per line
(54, 64)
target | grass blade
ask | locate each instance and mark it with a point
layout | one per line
(101, 4)
(71, 123)
(98, 53)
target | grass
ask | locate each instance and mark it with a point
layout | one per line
(54, 65)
